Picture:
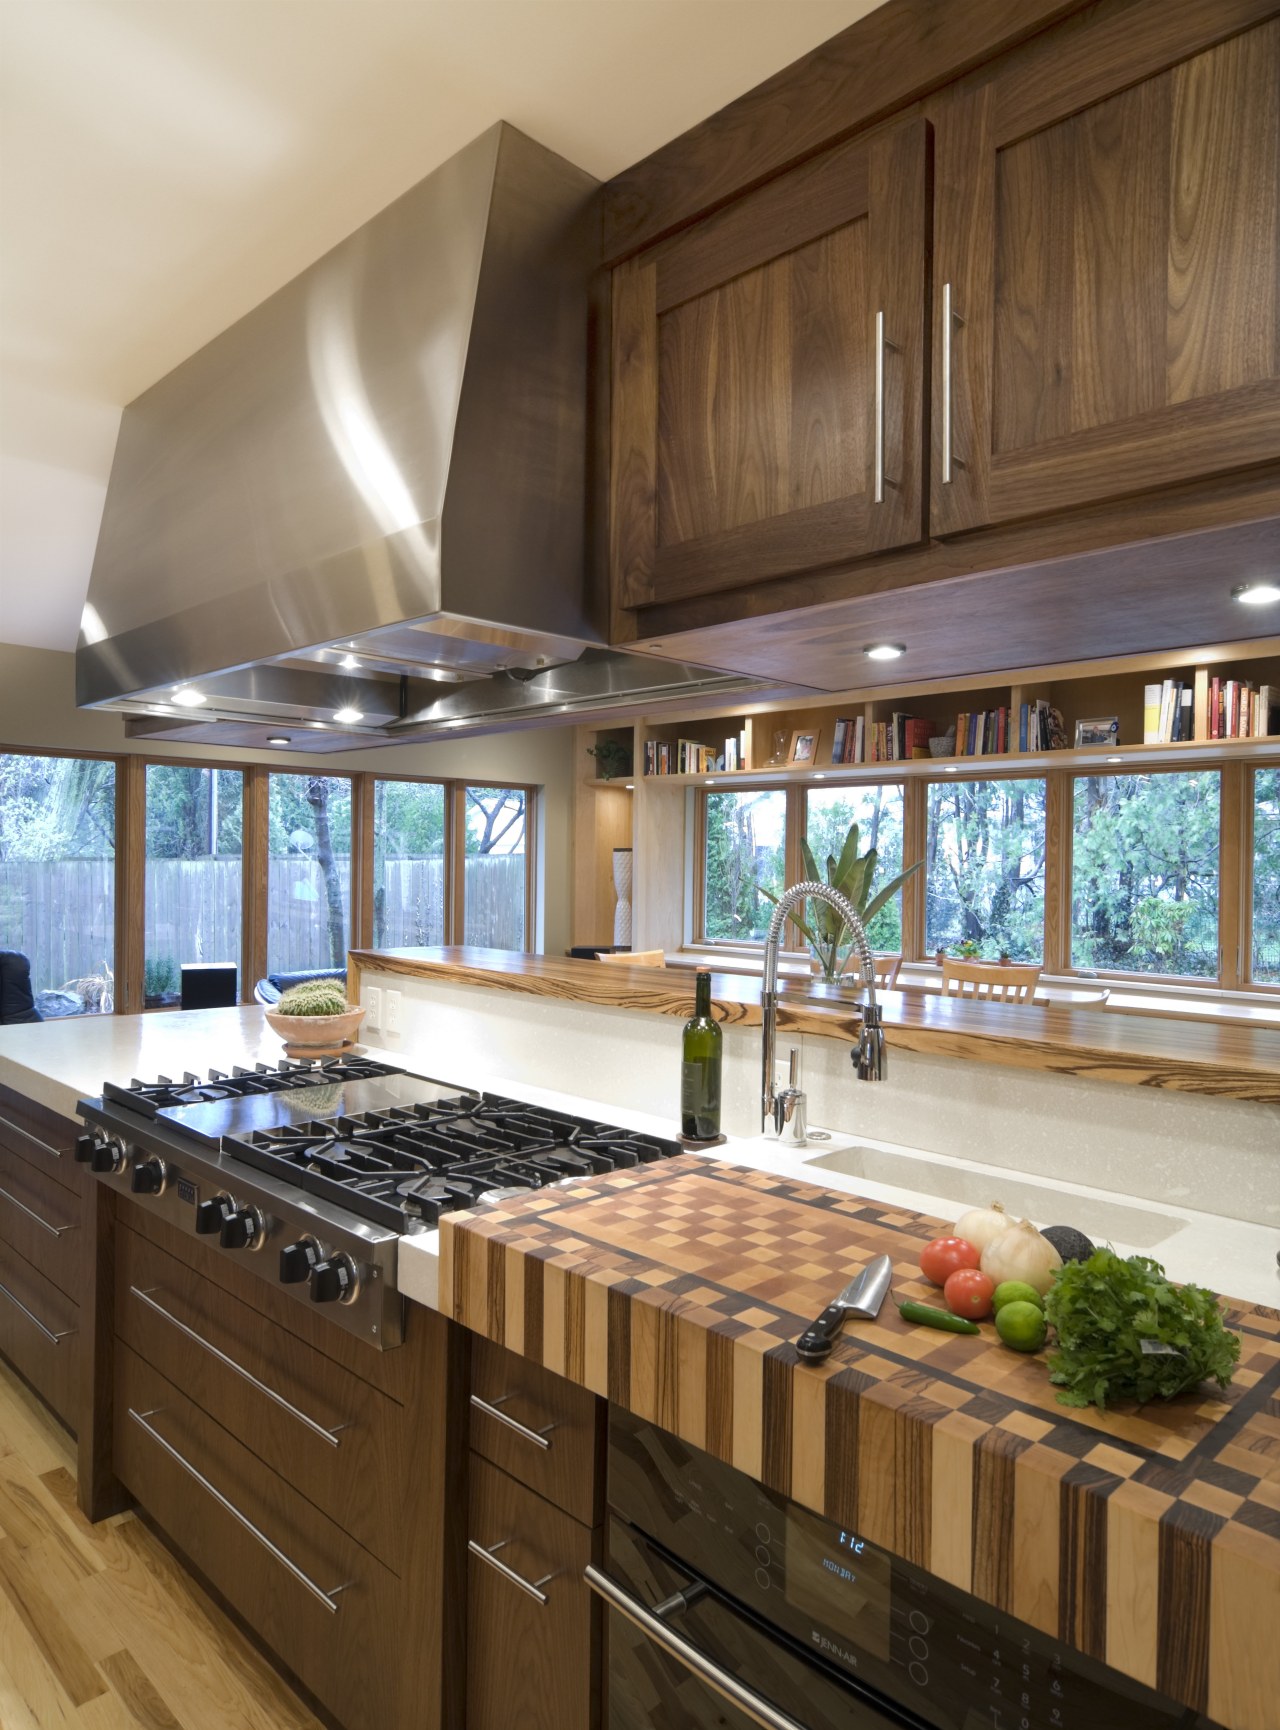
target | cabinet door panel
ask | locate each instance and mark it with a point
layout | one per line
(1114, 270)
(745, 410)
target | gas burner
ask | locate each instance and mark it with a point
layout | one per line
(404, 1167)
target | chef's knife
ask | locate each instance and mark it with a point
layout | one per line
(861, 1298)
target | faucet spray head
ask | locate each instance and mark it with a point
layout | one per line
(870, 1060)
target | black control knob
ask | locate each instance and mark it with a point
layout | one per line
(149, 1177)
(298, 1259)
(209, 1215)
(102, 1153)
(334, 1280)
(242, 1228)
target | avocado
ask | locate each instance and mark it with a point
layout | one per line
(1071, 1245)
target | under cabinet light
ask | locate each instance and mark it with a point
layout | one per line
(277, 739)
(189, 698)
(1115, 759)
(1256, 594)
(349, 662)
(348, 715)
(883, 651)
(631, 786)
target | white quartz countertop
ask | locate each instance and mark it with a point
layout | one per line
(57, 1063)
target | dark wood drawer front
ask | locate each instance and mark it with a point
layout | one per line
(317, 1599)
(40, 1218)
(531, 1660)
(545, 1431)
(40, 1136)
(40, 1332)
(340, 1443)
(393, 1372)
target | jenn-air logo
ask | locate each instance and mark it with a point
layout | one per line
(833, 1649)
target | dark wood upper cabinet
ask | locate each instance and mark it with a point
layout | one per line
(1106, 310)
(768, 379)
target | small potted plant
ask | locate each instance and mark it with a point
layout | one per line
(315, 1018)
(613, 759)
(853, 874)
(968, 949)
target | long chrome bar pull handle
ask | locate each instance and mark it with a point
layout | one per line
(878, 489)
(950, 318)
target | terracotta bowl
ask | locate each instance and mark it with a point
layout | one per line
(316, 1035)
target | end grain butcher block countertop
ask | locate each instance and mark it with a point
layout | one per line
(1148, 1538)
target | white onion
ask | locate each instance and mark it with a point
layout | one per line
(1021, 1253)
(982, 1225)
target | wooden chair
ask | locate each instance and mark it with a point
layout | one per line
(636, 957)
(989, 981)
(887, 971)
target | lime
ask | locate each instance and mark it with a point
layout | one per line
(1015, 1291)
(1021, 1325)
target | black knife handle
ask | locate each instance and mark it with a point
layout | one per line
(816, 1341)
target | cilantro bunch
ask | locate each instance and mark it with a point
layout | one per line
(1105, 1307)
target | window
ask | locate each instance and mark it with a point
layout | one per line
(878, 813)
(984, 867)
(408, 864)
(745, 853)
(495, 889)
(57, 878)
(194, 834)
(1144, 873)
(309, 872)
(1266, 877)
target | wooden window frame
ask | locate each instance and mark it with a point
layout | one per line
(130, 856)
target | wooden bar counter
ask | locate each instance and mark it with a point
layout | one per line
(1149, 1538)
(1223, 1060)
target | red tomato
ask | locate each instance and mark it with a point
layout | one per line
(969, 1292)
(944, 1255)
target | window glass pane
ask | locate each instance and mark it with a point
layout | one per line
(1144, 873)
(746, 835)
(193, 874)
(494, 891)
(408, 864)
(57, 878)
(309, 872)
(1266, 876)
(878, 813)
(984, 868)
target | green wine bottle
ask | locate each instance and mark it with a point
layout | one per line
(700, 1069)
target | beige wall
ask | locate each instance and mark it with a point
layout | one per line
(37, 709)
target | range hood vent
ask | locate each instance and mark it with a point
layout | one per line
(370, 493)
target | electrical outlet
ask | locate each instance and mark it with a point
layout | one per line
(373, 1005)
(392, 1022)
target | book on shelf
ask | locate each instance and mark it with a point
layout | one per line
(1040, 727)
(986, 732)
(1239, 709)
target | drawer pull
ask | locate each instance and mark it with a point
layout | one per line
(331, 1436)
(17, 1129)
(488, 1553)
(493, 1410)
(651, 1624)
(328, 1599)
(54, 1339)
(53, 1230)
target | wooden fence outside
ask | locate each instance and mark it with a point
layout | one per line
(60, 913)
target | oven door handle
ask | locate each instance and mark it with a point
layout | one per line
(759, 1710)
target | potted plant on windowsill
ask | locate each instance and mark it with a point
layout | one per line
(853, 874)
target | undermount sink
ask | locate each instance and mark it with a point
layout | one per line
(1100, 1218)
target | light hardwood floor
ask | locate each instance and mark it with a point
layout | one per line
(100, 1628)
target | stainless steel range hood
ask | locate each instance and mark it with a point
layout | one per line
(372, 488)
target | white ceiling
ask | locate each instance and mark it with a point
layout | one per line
(167, 164)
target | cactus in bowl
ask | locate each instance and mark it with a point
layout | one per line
(313, 997)
(315, 1016)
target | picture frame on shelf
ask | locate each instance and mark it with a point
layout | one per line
(1100, 730)
(804, 747)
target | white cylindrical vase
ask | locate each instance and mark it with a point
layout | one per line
(622, 888)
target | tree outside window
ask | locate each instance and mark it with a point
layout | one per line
(877, 810)
(1266, 877)
(984, 868)
(193, 878)
(309, 881)
(496, 880)
(1144, 873)
(746, 850)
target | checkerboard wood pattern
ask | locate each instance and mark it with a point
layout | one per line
(1148, 1538)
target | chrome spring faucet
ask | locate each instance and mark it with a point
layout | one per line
(869, 1058)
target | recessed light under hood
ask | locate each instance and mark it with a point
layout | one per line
(383, 463)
